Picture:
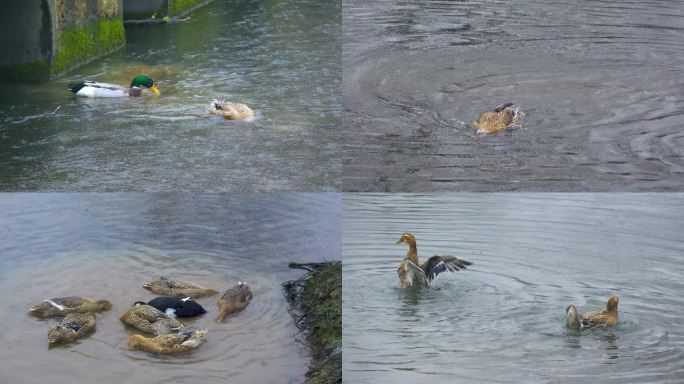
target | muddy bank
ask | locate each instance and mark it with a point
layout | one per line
(316, 306)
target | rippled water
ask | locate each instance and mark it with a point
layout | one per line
(108, 245)
(281, 58)
(502, 320)
(600, 82)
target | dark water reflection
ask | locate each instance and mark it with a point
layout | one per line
(108, 245)
(600, 83)
(502, 320)
(281, 58)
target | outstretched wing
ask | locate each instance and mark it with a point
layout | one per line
(411, 275)
(438, 264)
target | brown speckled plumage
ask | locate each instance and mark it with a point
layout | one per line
(502, 117)
(235, 299)
(150, 320)
(62, 306)
(416, 275)
(169, 343)
(72, 327)
(231, 111)
(605, 318)
(168, 287)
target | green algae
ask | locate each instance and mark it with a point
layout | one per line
(79, 45)
(33, 71)
(316, 306)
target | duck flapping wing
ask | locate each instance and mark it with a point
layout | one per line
(411, 275)
(438, 264)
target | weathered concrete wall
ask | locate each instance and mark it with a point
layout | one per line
(147, 9)
(44, 38)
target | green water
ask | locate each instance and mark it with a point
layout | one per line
(282, 58)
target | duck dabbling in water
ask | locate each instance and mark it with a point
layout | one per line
(231, 111)
(149, 319)
(416, 275)
(182, 341)
(176, 306)
(165, 286)
(62, 306)
(235, 299)
(605, 318)
(72, 327)
(504, 116)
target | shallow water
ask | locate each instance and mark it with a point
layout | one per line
(108, 245)
(280, 58)
(502, 320)
(600, 83)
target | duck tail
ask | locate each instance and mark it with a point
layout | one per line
(503, 106)
(75, 87)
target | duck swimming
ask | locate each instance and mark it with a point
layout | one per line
(415, 275)
(502, 117)
(606, 318)
(62, 306)
(95, 89)
(176, 306)
(72, 327)
(170, 343)
(164, 286)
(149, 319)
(235, 299)
(231, 111)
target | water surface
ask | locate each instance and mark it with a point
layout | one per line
(502, 320)
(600, 83)
(108, 245)
(281, 58)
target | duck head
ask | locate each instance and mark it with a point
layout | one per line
(612, 303)
(144, 81)
(60, 334)
(407, 238)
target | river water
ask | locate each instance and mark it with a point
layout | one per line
(108, 245)
(502, 320)
(600, 84)
(281, 58)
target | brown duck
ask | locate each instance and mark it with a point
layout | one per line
(63, 306)
(231, 111)
(170, 343)
(416, 275)
(167, 287)
(235, 299)
(149, 319)
(606, 318)
(72, 327)
(502, 117)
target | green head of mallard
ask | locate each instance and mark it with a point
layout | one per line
(145, 81)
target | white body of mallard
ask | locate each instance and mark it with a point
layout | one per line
(95, 89)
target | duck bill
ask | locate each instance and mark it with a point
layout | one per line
(155, 90)
(399, 241)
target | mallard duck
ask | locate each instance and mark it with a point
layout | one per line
(502, 117)
(164, 286)
(572, 317)
(176, 306)
(149, 319)
(72, 327)
(62, 306)
(606, 318)
(231, 111)
(413, 274)
(170, 343)
(95, 89)
(235, 299)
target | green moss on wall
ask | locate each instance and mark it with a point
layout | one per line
(79, 45)
(34, 71)
(178, 7)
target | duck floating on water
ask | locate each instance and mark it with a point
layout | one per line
(231, 111)
(605, 318)
(62, 306)
(170, 343)
(149, 319)
(176, 306)
(504, 116)
(72, 327)
(95, 89)
(165, 286)
(235, 299)
(415, 275)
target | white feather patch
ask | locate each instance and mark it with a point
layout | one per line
(60, 307)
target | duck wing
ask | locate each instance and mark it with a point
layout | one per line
(594, 319)
(438, 264)
(411, 275)
(95, 89)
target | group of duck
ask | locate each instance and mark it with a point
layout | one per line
(142, 83)
(156, 318)
(416, 275)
